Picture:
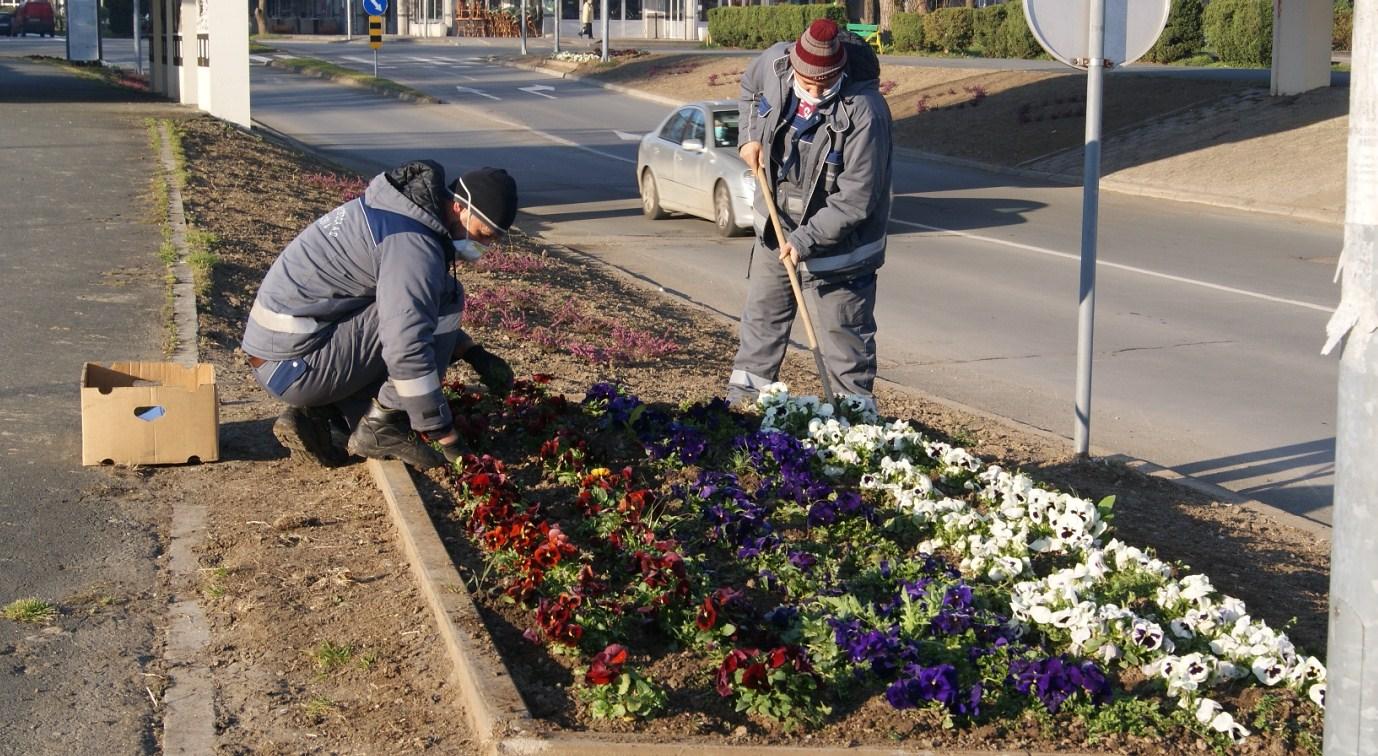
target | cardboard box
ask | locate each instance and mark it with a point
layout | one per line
(149, 413)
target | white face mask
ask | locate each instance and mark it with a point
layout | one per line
(469, 250)
(810, 99)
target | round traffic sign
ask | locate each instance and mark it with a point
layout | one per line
(376, 7)
(1131, 28)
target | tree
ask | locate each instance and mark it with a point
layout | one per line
(887, 14)
(261, 16)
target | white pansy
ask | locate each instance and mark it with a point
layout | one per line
(1317, 694)
(1267, 670)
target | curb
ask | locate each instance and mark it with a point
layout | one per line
(571, 76)
(493, 708)
(315, 74)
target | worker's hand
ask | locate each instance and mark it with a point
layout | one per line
(751, 154)
(451, 445)
(492, 370)
(788, 254)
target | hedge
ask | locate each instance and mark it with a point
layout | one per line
(1240, 31)
(985, 27)
(906, 32)
(1182, 37)
(1014, 38)
(948, 29)
(760, 26)
(1342, 33)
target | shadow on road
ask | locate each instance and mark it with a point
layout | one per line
(1287, 467)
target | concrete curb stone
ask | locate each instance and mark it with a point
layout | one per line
(404, 96)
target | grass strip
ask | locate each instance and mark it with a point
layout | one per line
(329, 70)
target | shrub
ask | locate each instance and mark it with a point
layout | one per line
(985, 26)
(906, 31)
(760, 26)
(1342, 32)
(1182, 37)
(1240, 31)
(1015, 39)
(948, 29)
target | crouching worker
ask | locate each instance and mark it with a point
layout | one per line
(358, 318)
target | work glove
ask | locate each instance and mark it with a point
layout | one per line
(493, 371)
(452, 451)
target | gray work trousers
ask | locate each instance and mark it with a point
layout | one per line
(844, 320)
(348, 370)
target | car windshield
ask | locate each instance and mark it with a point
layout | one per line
(725, 128)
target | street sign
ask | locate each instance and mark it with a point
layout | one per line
(376, 7)
(375, 33)
(1131, 28)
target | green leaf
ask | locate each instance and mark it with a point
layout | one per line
(624, 684)
(728, 629)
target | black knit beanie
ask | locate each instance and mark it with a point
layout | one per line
(490, 193)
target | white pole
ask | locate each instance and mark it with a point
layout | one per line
(1351, 718)
(1090, 209)
(138, 41)
(521, 23)
(607, 28)
(559, 11)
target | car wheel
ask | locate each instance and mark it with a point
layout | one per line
(650, 198)
(722, 211)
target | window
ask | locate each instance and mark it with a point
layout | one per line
(695, 129)
(725, 128)
(674, 128)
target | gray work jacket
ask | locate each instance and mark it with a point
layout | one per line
(845, 169)
(383, 247)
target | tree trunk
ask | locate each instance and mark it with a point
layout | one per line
(887, 13)
(868, 11)
(916, 6)
(971, 3)
(261, 16)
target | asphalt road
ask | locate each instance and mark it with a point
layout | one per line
(1209, 322)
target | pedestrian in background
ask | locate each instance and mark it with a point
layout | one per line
(812, 117)
(357, 320)
(586, 19)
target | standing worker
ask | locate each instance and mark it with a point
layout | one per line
(358, 318)
(815, 121)
(586, 19)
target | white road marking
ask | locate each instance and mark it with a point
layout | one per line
(260, 59)
(555, 139)
(1118, 266)
(627, 136)
(471, 90)
(539, 89)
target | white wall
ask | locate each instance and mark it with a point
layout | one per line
(1301, 45)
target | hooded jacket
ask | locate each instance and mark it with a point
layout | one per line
(388, 247)
(845, 169)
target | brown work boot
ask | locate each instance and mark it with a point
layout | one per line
(306, 432)
(385, 434)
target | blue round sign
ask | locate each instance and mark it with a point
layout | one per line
(376, 7)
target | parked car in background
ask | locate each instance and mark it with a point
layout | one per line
(33, 17)
(689, 164)
(6, 23)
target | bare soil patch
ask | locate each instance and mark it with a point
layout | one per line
(299, 557)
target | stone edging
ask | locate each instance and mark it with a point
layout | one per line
(317, 74)
(493, 708)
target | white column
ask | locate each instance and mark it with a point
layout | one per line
(187, 77)
(172, 10)
(200, 42)
(157, 73)
(1301, 45)
(229, 62)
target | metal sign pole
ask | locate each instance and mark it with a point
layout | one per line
(1090, 210)
(522, 24)
(559, 11)
(1351, 719)
(349, 20)
(607, 29)
(138, 40)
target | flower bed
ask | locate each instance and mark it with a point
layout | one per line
(810, 566)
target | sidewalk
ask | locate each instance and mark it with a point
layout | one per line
(80, 280)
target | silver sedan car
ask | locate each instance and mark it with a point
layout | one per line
(689, 164)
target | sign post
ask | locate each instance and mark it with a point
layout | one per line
(375, 9)
(1093, 35)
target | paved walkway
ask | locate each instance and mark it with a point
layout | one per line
(80, 280)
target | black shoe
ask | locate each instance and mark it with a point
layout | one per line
(386, 434)
(306, 432)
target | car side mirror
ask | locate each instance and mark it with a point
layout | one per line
(693, 145)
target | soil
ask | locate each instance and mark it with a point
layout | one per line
(299, 556)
